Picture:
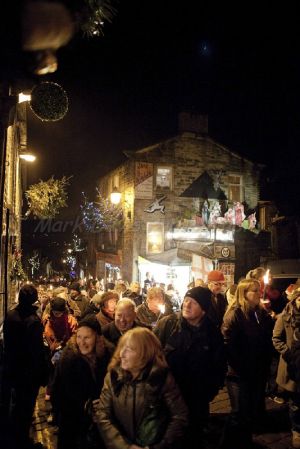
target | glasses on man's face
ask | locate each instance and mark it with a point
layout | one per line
(218, 284)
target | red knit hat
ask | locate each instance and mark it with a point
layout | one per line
(215, 276)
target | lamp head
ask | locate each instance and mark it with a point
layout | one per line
(115, 196)
(28, 157)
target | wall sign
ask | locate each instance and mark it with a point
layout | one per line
(225, 252)
(143, 180)
(156, 205)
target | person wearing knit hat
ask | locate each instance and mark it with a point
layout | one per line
(91, 322)
(58, 305)
(194, 349)
(78, 297)
(107, 302)
(62, 292)
(202, 295)
(216, 276)
(216, 283)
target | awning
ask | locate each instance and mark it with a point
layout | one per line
(284, 268)
(169, 258)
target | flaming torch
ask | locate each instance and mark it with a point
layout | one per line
(266, 281)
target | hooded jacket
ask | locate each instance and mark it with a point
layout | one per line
(282, 340)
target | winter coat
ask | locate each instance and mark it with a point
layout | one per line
(282, 340)
(24, 352)
(146, 316)
(294, 365)
(66, 325)
(75, 385)
(148, 411)
(71, 305)
(195, 355)
(82, 302)
(90, 310)
(138, 299)
(217, 309)
(248, 342)
(103, 318)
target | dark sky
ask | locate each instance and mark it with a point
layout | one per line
(238, 64)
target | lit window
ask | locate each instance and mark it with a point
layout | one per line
(164, 177)
(235, 188)
(155, 238)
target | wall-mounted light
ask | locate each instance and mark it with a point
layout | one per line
(115, 196)
(28, 157)
(23, 97)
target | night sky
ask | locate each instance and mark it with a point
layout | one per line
(239, 65)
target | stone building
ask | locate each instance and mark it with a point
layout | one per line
(183, 200)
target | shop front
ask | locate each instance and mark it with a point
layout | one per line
(166, 268)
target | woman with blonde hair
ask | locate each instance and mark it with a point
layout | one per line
(247, 331)
(140, 403)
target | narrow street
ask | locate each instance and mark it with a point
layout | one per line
(276, 436)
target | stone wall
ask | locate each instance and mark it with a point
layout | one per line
(189, 154)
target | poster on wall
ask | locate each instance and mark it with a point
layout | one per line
(155, 238)
(201, 266)
(143, 180)
(228, 271)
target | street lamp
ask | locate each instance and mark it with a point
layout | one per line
(23, 97)
(25, 156)
(115, 196)
(28, 157)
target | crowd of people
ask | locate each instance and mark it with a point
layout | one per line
(132, 368)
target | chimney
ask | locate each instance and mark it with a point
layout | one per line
(196, 123)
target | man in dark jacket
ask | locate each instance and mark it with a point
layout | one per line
(155, 307)
(79, 299)
(125, 319)
(195, 353)
(25, 367)
(217, 309)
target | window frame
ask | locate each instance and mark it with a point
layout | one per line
(241, 186)
(170, 167)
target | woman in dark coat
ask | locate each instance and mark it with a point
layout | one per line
(140, 403)
(247, 331)
(78, 380)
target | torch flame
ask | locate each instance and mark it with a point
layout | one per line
(266, 277)
(162, 308)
